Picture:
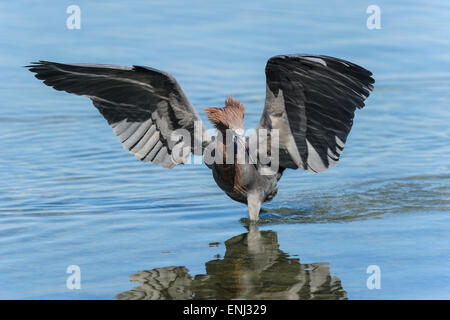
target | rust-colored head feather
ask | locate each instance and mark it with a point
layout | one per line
(231, 116)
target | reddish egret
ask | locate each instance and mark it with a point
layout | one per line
(310, 103)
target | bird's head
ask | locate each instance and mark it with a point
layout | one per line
(230, 117)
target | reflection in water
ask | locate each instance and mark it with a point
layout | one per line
(253, 268)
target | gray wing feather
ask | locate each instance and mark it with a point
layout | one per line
(142, 105)
(311, 100)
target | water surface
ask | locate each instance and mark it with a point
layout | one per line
(70, 195)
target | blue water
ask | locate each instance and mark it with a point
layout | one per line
(70, 195)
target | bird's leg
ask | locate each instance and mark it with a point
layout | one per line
(254, 205)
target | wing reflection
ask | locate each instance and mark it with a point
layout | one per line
(253, 268)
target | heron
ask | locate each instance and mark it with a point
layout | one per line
(310, 103)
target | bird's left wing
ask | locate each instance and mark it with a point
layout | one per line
(144, 106)
(311, 101)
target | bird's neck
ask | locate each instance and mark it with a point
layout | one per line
(230, 172)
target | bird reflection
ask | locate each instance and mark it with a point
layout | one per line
(253, 268)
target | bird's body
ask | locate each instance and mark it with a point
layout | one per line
(244, 183)
(308, 114)
(249, 181)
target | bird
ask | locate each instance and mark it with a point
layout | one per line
(309, 110)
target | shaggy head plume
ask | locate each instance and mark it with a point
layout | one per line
(231, 116)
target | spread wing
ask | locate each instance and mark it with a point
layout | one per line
(311, 100)
(144, 106)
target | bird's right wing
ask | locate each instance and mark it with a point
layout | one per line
(144, 107)
(311, 101)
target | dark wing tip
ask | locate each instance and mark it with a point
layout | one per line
(154, 71)
(323, 61)
(39, 67)
(31, 65)
(40, 62)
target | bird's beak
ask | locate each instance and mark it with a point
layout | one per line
(239, 137)
(240, 140)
